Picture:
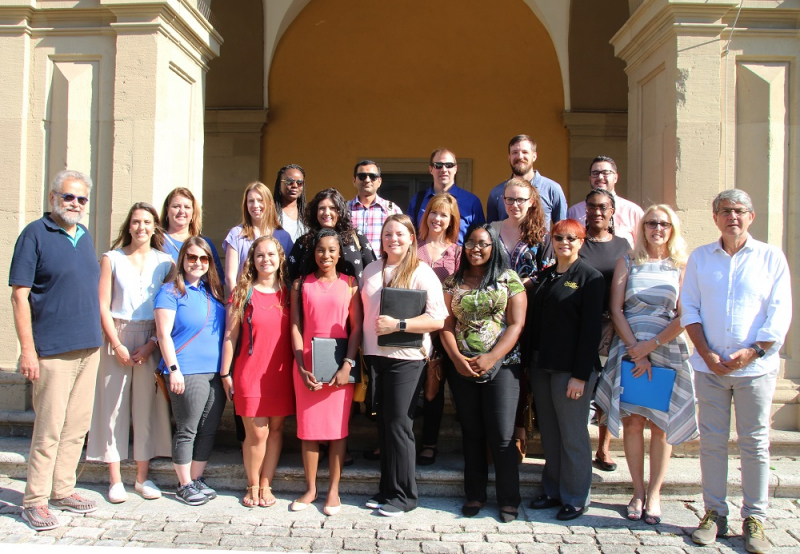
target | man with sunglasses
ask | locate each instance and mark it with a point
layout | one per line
(368, 211)
(521, 155)
(443, 166)
(54, 277)
(736, 306)
(603, 175)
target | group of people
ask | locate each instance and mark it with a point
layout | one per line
(536, 304)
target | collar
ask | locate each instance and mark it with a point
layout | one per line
(51, 225)
(380, 202)
(748, 245)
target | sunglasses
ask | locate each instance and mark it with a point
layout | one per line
(70, 198)
(372, 176)
(440, 165)
(654, 224)
(565, 238)
(192, 259)
(289, 182)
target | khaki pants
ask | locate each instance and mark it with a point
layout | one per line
(63, 398)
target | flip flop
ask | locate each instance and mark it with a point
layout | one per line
(634, 514)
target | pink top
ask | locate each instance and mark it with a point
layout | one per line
(626, 217)
(445, 266)
(423, 279)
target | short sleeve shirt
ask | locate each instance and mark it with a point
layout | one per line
(481, 315)
(241, 244)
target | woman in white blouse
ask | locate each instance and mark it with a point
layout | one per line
(131, 274)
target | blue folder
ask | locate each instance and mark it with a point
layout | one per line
(654, 394)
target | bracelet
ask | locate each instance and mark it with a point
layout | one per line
(655, 338)
(115, 348)
(226, 375)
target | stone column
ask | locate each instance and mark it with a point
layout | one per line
(709, 109)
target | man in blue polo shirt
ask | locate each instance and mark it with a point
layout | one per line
(521, 155)
(443, 167)
(54, 278)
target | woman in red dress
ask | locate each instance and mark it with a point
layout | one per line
(258, 319)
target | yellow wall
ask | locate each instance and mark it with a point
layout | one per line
(398, 79)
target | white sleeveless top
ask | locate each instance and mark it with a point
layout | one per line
(132, 294)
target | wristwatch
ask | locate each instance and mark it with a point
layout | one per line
(350, 361)
(154, 339)
(173, 368)
(760, 352)
(401, 325)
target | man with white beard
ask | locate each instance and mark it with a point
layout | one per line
(54, 278)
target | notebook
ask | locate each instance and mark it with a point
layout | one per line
(654, 394)
(327, 356)
(402, 304)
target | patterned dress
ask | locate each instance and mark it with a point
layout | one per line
(650, 304)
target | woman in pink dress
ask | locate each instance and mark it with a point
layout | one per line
(325, 304)
(261, 378)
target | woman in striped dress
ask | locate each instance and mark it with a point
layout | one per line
(645, 309)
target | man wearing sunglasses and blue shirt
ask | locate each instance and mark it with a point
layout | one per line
(54, 278)
(443, 167)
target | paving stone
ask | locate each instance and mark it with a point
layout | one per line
(183, 527)
(605, 538)
(399, 546)
(549, 539)
(581, 530)
(388, 535)
(328, 544)
(251, 541)
(153, 536)
(272, 531)
(334, 523)
(113, 544)
(134, 516)
(135, 545)
(17, 537)
(417, 535)
(58, 532)
(618, 549)
(38, 539)
(117, 534)
(86, 522)
(480, 527)
(363, 544)
(461, 537)
(147, 516)
(449, 528)
(183, 518)
(103, 514)
(197, 538)
(292, 543)
(659, 550)
(307, 524)
(313, 533)
(369, 524)
(614, 527)
(401, 525)
(794, 533)
(662, 540)
(85, 532)
(159, 545)
(537, 548)
(578, 539)
(781, 538)
(210, 518)
(119, 524)
(354, 534)
(509, 537)
(75, 541)
(150, 526)
(434, 547)
(578, 549)
(486, 548)
(547, 528)
(216, 529)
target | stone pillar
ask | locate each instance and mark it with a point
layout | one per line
(709, 109)
(593, 134)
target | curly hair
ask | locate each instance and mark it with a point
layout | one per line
(244, 286)
(343, 225)
(531, 229)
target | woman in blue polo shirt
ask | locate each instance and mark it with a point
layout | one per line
(190, 320)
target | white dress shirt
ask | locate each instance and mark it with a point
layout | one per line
(739, 300)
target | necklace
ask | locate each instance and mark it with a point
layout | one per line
(596, 239)
(323, 289)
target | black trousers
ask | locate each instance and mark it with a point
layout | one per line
(397, 387)
(486, 412)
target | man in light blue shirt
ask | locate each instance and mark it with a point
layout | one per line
(736, 306)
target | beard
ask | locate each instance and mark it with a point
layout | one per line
(521, 168)
(68, 216)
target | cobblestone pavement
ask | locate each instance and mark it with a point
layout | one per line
(436, 527)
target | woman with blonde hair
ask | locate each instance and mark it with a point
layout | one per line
(259, 218)
(395, 370)
(257, 328)
(181, 218)
(645, 309)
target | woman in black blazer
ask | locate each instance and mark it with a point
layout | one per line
(563, 330)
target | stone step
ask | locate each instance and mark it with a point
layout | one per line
(445, 478)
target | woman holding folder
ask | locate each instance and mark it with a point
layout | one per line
(395, 349)
(645, 309)
(325, 305)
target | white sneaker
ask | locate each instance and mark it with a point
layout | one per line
(116, 493)
(148, 489)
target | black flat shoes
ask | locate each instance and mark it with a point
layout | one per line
(543, 502)
(569, 511)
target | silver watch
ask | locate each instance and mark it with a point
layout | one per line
(350, 361)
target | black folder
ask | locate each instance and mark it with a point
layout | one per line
(402, 304)
(327, 356)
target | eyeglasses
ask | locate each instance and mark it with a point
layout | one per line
(372, 176)
(604, 173)
(654, 224)
(602, 208)
(469, 245)
(192, 259)
(440, 165)
(511, 201)
(70, 198)
(727, 212)
(289, 182)
(565, 238)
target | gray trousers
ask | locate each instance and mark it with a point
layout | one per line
(752, 398)
(197, 414)
(565, 436)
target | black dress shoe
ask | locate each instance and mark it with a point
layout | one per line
(471, 511)
(507, 516)
(604, 466)
(568, 511)
(426, 460)
(542, 502)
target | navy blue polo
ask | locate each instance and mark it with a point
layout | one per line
(469, 206)
(63, 277)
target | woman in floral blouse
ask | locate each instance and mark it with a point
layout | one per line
(486, 316)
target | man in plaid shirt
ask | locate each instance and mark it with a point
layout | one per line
(368, 211)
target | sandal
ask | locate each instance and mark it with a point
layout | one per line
(250, 499)
(634, 512)
(266, 502)
(651, 518)
(40, 518)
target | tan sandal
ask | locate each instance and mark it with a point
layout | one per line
(266, 503)
(251, 498)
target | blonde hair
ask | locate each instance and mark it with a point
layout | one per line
(450, 202)
(244, 286)
(531, 228)
(410, 262)
(270, 220)
(676, 246)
